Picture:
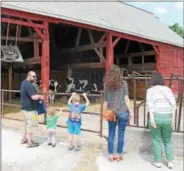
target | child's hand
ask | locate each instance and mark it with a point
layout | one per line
(73, 93)
(84, 94)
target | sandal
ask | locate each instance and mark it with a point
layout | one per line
(32, 145)
(111, 159)
(119, 158)
(23, 141)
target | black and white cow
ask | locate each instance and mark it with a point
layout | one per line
(53, 88)
(82, 86)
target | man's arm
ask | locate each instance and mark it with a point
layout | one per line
(32, 93)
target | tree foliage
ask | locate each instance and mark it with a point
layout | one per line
(178, 29)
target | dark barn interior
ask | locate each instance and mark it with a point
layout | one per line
(71, 47)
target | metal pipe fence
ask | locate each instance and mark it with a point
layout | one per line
(141, 115)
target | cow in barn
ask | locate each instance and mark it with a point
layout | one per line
(53, 88)
(81, 86)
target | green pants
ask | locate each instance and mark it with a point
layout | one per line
(163, 132)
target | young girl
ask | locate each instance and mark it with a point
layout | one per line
(74, 119)
(51, 121)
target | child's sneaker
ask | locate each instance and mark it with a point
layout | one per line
(157, 164)
(49, 144)
(170, 165)
(53, 145)
(70, 148)
(77, 149)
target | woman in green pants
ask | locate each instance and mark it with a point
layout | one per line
(161, 106)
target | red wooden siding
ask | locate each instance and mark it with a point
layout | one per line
(171, 60)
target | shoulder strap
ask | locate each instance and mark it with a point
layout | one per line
(165, 97)
(116, 100)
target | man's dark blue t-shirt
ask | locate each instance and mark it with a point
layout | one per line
(26, 91)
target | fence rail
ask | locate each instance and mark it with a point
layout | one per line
(141, 115)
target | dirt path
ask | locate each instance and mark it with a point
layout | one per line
(92, 157)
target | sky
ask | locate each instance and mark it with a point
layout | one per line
(169, 13)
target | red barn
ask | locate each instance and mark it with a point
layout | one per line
(118, 33)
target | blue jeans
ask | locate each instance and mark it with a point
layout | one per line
(122, 123)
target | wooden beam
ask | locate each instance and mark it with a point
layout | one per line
(102, 38)
(156, 50)
(31, 61)
(23, 23)
(87, 65)
(36, 29)
(83, 48)
(109, 51)
(10, 71)
(100, 55)
(129, 63)
(116, 41)
(20, 39)
(145, 53)
(137, 67)
(127, 46)
(36, 48)
(78, 37)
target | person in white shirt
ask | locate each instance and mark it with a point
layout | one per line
(161, 106)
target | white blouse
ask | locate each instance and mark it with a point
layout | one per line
(160, 99)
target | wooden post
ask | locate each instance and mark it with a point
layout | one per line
(9, 81)
(109, 51)
(45, 63)
(36, 48)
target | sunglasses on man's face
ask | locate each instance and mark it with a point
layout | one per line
(34, 76)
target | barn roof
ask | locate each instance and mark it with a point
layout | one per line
(115, 16)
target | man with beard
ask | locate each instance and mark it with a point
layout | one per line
(29, 103)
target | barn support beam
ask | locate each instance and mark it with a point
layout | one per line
(23, 23)
(157, 55)
(87, 65)
(156, 50)
(134, 54)
(109, 51)
(45, 62)
(83, 48)
(39, 32)
(32, 61)
(10, 72)
(99, 53)
(116, 41)
(78, 37)
(20, 39)
(36, 48)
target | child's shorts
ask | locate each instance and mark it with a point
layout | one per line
(74, 128)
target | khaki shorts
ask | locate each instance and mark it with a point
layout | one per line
(30, 123)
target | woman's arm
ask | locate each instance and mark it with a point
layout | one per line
(127, 100)
(173, 104)
(150, 105)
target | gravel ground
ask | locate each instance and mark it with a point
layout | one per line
(92, 157)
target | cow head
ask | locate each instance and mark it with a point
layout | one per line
(69, 84)
(54, 85)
